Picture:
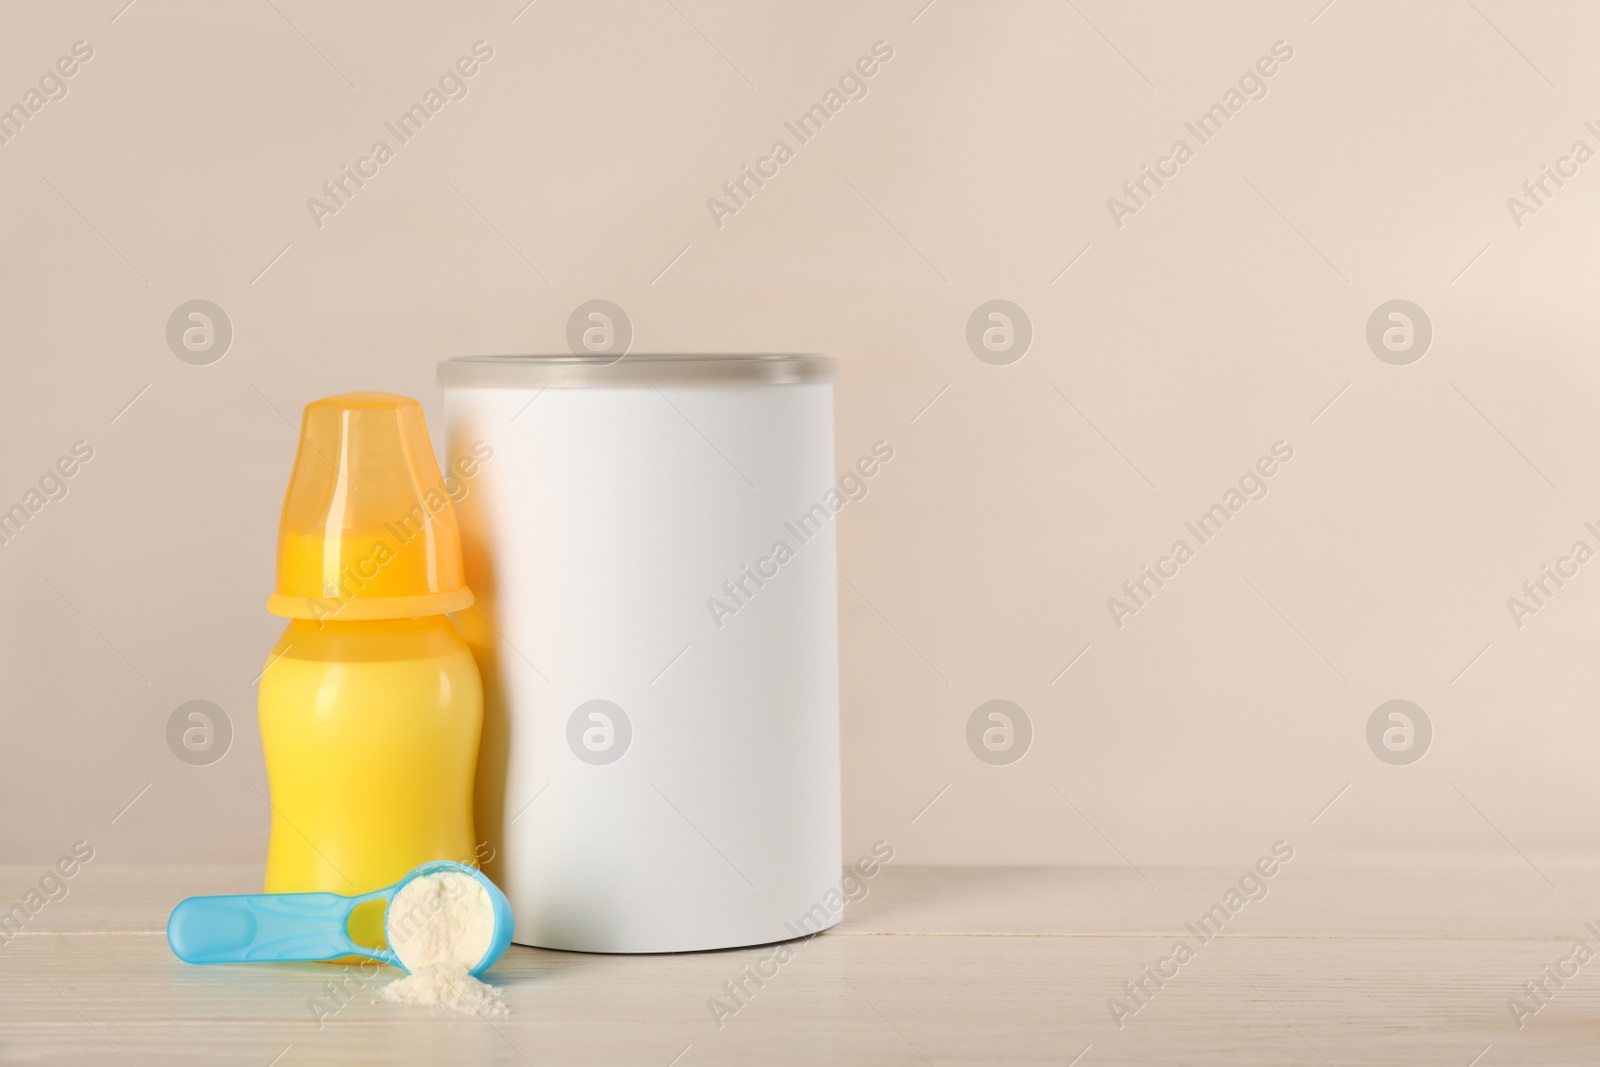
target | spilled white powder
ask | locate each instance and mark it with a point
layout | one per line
(440, 925)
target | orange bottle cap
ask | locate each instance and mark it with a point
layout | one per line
(368, 528)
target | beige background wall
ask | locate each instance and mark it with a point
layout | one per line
(1227, 314)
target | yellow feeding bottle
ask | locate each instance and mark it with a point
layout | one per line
(370, 703)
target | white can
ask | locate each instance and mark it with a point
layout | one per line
(651, 545)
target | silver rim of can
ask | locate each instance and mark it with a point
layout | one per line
(512, 372)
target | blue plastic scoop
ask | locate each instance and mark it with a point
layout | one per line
(262, 927)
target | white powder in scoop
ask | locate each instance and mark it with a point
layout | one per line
(440, 925)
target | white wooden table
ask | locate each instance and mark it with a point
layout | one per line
(937, 965)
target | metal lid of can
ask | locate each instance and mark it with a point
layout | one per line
(734, 368)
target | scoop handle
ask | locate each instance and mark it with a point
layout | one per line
(266, 926)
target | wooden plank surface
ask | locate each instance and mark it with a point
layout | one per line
(939, 966)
